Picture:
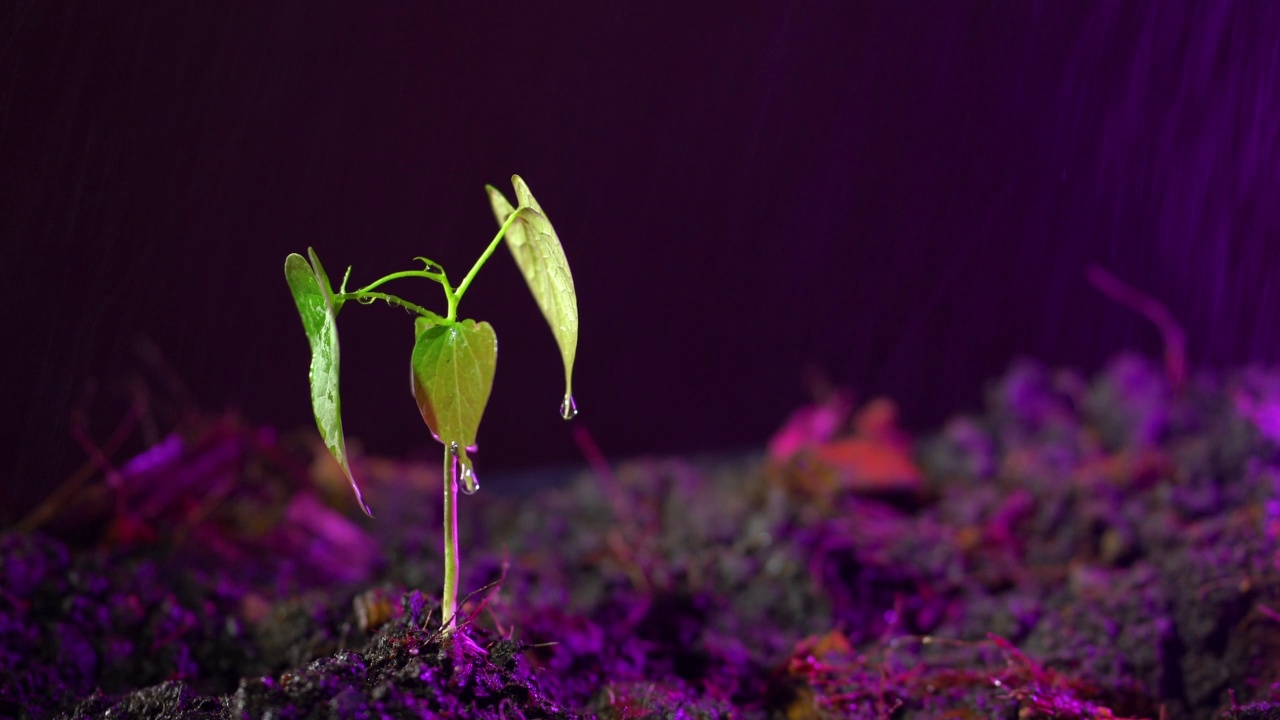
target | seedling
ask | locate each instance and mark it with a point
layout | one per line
(453, 360)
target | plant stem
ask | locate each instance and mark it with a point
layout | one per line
(493, 245)
(438, 277)
(390, 300)
(452, 297)
(449, 599)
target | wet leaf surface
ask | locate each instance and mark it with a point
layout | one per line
(453, 367)
(316, 304)
(537, 251)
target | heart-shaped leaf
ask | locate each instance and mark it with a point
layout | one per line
(452, 375)
(536, 248)
(316, 304)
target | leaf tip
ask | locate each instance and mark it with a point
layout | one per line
(356, 488)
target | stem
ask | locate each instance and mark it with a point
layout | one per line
(449, 601)
(493, 245)
(438, 277)
(390, 300)
(452, 297)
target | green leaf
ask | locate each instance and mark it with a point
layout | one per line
(316, 304)
(452, 374)
(536, 248)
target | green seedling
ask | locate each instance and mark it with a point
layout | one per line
(453, 360)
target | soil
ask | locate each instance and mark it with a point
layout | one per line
(1082, 548)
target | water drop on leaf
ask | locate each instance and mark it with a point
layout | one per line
(458, 457)
(470, 483)
(568, 408)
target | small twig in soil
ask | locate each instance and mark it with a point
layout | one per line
(1175, 339)
(1268, 612)
(484, 602)
(98, 459)
(600, 466)
(470, 619)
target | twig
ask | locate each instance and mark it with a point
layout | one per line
(98, 460)
(600, 466)
(1175, 339)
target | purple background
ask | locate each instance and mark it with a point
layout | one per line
(904, 195)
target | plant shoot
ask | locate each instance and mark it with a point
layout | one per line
(453, 360)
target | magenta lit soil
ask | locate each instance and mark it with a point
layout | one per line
(1083, 548)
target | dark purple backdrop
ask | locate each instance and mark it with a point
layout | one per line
(902, 194)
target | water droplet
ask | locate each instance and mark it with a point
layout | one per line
(469, 482)
(365, 300)
(568, 408)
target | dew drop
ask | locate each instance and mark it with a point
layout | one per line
(365, 300)
(469, 483)
(568, 408)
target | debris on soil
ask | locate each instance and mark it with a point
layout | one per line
(1102, 548)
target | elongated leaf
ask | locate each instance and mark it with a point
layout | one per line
(314, 297)
(536, 249)
(452, 375)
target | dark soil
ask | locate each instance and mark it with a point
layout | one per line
(1083, 549)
